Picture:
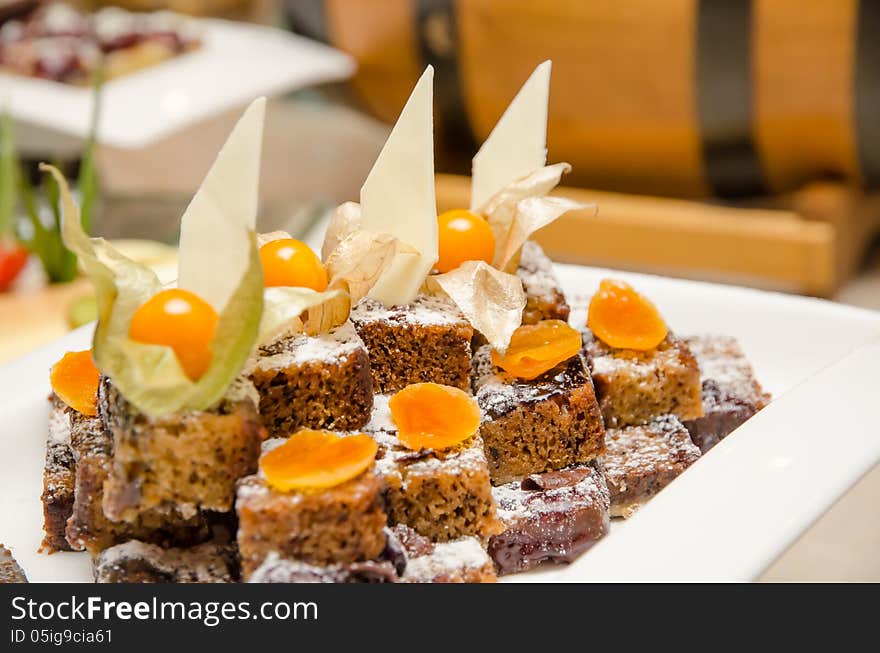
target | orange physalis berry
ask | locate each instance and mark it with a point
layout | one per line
(180, 320)
(624, 319)
(537, 348)
(463, 236)
(317, 459)
(75, 380)
(433, 416)
(290, 262)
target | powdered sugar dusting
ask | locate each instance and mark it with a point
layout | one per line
(447, 559)
(729, 374)
(537, 274)
(516, 503)
(425, 310)
(59, 424)
(206, 563)
(328, 348)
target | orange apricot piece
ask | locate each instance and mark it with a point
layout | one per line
(463, 236)
(75, 379)
(317, 460)
(622, 318)
(537, 348)
(180, 320)
(290, 262)
(433, 416)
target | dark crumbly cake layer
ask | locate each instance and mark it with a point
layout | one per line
(10, 571)
(530, 427)
(88, 528)
(544, 297)
(426, 341)
(731, 394)
(635, 387)
(186, 462)
(317, 382)
(642, 460)
(444, 495)
(58, 479)
(554, 516)
(139, 562)
(337, 525)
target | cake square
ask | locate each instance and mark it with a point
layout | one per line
(635, 387)
(463, 560)
(317, 382)
(58, 478)
(426, 341)
(554, 516)
(275, 569)
(530, 427)
(10, 571)
(442, 495)
(642, 460)
(88, 528)
(139, 562)
(730, 392)
(337, 525)
(544, 297)
(185, 462)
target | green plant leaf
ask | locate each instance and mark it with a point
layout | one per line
(150, 376)
(8, 175)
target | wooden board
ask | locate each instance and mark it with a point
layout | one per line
(808, 242)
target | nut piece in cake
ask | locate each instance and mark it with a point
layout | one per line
(426, 341)
(635, 387)
(185, 462)
(88, 528)
(337, 524)
(731, 393)
(58, 478)
(529, 427)
(442, 494)
(139, 562)
(317, 382)
(554, 516)
(544, 298)
(642, 460)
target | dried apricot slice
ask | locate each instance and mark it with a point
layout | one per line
(181, 320)
(433, 416)
(625, 319)
(463, 236)
(537, 348)
(317, 459)
(75, 380)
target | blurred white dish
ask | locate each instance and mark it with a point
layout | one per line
(235, 63)
(726, 518)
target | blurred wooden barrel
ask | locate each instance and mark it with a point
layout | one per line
(683, 97)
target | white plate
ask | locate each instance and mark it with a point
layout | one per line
(726, 518)
(235, 63)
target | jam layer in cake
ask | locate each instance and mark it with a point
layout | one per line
(530, 427)
(184, 462)
(554, 516)
(731, 393)
(544, 298)
(426, 341)
(635, 387)
(337, 525)
(317, 382)
(443, 495)
(139, 562)
(642, 460)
